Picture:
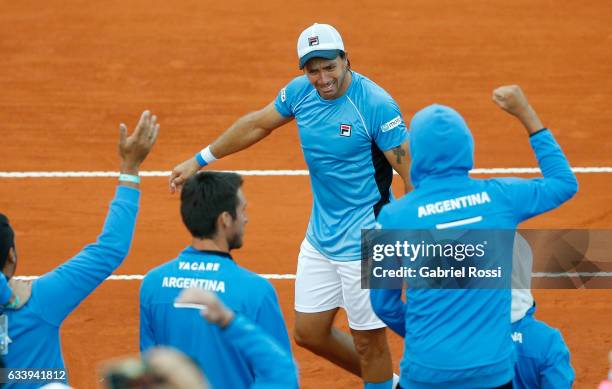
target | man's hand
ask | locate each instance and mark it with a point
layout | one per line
(511, 99)
(215, 312)
(21, 289)
(182, 172)
(133, 149)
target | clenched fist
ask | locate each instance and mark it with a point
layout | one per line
(511, 99)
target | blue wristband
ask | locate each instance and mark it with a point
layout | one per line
(129, 178)
(200, 160)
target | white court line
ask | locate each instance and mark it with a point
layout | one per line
(156, 173)
(138, 277)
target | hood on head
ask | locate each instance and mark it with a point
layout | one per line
(441, 144)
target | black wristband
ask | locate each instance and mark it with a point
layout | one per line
(538, 131)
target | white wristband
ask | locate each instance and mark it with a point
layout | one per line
(206, 157)
(129, 178)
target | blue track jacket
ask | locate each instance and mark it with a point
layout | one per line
(272, 366)
(460, 338)
(543, 359)
(34, 329)
(244, 292)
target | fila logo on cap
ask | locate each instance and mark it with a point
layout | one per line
(318, 41)
(345, 130)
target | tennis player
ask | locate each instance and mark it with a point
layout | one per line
(353, 136)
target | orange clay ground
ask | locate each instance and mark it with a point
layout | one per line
(70, 71)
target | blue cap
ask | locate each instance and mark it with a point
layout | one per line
(327, 54)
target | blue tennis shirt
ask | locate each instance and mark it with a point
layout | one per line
(343, 141)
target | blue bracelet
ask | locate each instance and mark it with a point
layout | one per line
(200, 160)
(129, 178)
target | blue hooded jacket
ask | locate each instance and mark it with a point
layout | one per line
(460, 338)
(543, 359)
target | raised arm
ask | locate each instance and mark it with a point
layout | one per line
(536, 195)
(511, 99)
(58, 292)
(246, 131)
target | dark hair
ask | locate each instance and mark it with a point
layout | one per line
(204, 197)
(7, 239)
(342, 55)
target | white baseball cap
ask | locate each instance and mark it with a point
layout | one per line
(319, 41)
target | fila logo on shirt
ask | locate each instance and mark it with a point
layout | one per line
(345, 130)
(313, 41)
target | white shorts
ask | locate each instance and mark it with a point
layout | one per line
(322, 284)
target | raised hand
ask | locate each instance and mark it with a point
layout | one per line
(215, 312)
(511, 99)
(133, 149)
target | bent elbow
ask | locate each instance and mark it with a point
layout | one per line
(570, 187)
(574, 186)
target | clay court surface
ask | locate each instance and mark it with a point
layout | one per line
(70, 71)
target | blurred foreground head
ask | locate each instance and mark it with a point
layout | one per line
(159, 368)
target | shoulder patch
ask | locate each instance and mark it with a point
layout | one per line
(283, 95)
(391, 124)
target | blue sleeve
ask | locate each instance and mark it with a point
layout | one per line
(60, 291)
(387, 125)
(272, 365)
(291, 95)
(387, 303)
(147, 338)
(270, 318)
(389, 307)
(281, 104)
(531, 197)
(557, 372)
(5, 290)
